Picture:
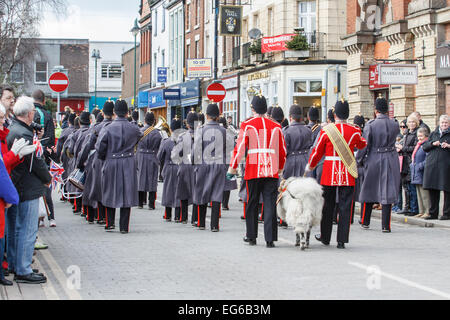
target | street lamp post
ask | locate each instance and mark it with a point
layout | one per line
(95, 56)
(135, 32)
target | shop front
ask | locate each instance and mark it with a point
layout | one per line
(157, 104)
(443, 76)
(190, 97)
(378, 90)
(229, 106)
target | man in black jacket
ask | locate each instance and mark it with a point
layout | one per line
(31, 179)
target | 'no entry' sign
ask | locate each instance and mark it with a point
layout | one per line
(58, 82)
(216, 92)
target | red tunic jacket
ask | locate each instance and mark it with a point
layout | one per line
(334, 171)
(266, 148)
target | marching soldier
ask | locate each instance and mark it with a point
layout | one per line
(265, 163)
(67, 157)
(314, 123)
(85, 163)
(60, 156)
(95, 189)
(229, 184)
(337, 142)
(115, 146)
(170, 172)
(298, 143)
(147, 162)
(182, 155)
(381, 166)
(209, 157)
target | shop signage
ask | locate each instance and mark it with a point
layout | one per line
(373, 79)
(142, 99)
(277, 43)
(162, 75)
(398, 74)
(443, 62)
(156, 99)
(258, 75)
(230, 18)
(199, 68)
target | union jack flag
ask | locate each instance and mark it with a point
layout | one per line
(56, 172)
(39, 149)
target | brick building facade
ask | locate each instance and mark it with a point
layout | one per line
(407, 30)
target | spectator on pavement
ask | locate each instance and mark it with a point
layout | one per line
(7, 101)
(406, 150)
(421, 123)
(436, 176)
(417, 168)
(31, 179)
(398, 207)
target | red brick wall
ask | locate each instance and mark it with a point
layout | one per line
(381, 50)
(447, 31)
(193, 32)
(353, 11)
(400, 8)
(447, 99)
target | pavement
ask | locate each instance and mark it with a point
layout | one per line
(161, 260)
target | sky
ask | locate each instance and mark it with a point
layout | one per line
(96, 20)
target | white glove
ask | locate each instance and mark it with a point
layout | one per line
(18, 145)
(27, 150)
(307, 169)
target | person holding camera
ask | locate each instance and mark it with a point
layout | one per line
(31, 179)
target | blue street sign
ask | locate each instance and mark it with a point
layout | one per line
(171, 94)
(162, 75)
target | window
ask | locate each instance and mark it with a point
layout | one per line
(307, 17)
(155, 68)
(163, 22)
(17, 73)
(188, 51)
(40, 75)
(155, 22)
(197, 16)
(255, 21)
(270, 22)
(111, 71)
(275, 93)
(300, 87)
(188, 17)
(315, 86)
(197, 49)
(172, 41)
(207, 46)
(308, 88)
(163, 58)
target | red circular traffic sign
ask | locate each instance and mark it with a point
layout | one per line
(58, 82)
(216, 92)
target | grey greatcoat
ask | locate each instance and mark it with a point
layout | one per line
(182, 155)
(147, 162)
(315, 129)
(115, 146)
(169, 172)
(298, 142)
(95, 191)
(85, 160)
(76, 151)
(380, 162)
(60, 155)
(211, 168)
(231, 141)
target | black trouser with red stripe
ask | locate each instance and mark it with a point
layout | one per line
(124, 222)
(78, 205)
(91, 213)
(215, 213)
(269, 189)
(101, 212)
(345, 195)
(151, 199)
(168, 213)
(366, 213)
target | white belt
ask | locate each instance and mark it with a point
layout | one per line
(253, 151)
(332, 158)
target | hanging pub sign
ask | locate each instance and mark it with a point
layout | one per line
(230, 20)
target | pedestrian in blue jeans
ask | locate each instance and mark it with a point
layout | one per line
(8, 197)
(31, 179)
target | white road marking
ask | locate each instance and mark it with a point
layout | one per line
(60, 275)
(404, 281)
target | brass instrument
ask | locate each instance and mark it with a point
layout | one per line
(162, 125)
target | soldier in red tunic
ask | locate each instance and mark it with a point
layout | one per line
(337, 142)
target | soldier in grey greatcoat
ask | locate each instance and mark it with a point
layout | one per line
(95, 190)
(147, 162)
(183, 156)
(85, 163)
(381, 166)
(298, 142)
(60, 156)
(115, 146)
(231, 141)
(67, 158)
(85, 122)
(170, 172)
(211, 168)
(314, 125)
